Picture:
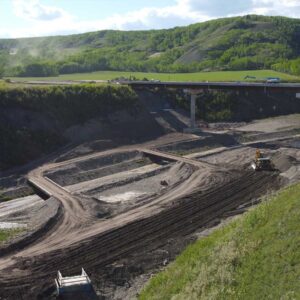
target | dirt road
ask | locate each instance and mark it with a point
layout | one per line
(173, 157)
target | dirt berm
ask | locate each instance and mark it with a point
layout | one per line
(283, 162)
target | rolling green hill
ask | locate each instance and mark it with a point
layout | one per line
(239, 43)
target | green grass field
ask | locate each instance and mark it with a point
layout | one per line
(201, 76)
(257, 256)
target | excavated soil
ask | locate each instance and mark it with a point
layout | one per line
(122, 216)
(118, 196)
(121, 244)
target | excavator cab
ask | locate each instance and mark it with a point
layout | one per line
(262, 163)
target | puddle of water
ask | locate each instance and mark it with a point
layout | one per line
(122, 197)
(9, 225)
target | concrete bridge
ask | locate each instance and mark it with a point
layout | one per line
(194, 88)
(258, 86)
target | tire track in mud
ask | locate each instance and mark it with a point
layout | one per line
(187, 215)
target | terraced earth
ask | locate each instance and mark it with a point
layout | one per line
(123, 213)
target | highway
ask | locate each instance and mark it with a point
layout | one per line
(262, 86)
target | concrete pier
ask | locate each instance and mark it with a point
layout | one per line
(193, 111)
(193, 96)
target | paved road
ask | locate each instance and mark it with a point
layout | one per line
(292, 87)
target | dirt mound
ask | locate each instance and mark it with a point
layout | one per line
(283, 162)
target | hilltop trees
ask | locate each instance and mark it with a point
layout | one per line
(288, 66)
(39, 69)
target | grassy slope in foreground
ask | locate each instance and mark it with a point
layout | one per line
(257, 256)
(201, 76)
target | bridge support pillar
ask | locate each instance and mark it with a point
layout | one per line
(193, 111)
(193, 93)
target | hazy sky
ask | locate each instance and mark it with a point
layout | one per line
(22, 18)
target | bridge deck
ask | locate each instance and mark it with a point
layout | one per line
(293, 87)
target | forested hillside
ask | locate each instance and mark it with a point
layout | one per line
(239, 43)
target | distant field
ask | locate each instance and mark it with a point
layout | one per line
(201, 76)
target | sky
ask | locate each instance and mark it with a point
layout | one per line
(31, 18)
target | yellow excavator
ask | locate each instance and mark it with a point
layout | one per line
(262, 163)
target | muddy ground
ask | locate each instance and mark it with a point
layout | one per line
(140, 212)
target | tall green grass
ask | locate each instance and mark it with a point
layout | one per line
(256, 256)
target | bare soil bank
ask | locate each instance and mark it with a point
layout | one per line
(41, 131)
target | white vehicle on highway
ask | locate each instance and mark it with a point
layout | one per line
(273, 80)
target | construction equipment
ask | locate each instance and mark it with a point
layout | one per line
(262, 163)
